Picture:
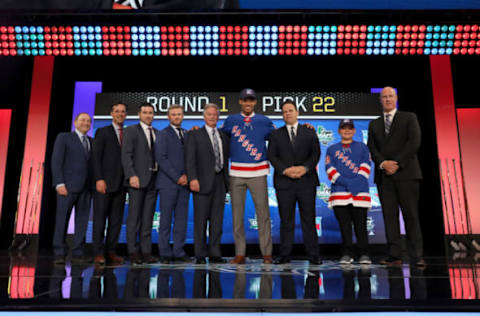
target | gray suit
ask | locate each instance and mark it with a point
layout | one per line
(138, 160)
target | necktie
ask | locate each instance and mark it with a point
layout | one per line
(216, 152)
(85, 145)
(292, 135)
(152, 151)
(388, 123)
(120, 135)
(180, 133)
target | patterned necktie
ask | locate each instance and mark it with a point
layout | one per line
(216, 152)
(180, 134)
(120, 135)
(388, 123)
(85, 145)
(292, 135)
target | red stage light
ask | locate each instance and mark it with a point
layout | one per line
(288, 51)
(244, 36)
(340, 36)
(171, 52)
(473, 35)
(412, 51)
(406, 36)
(303, 44)
(296, 36)
(348, 28)
(171, 29)
(69, 37)
(70, 52)
(5, 45)
(163, 29)
(354, 51)
(62, 45)
(459, 28)
(422, 28)
(414, 36)
(178, 37)
(126, 29)
(361, 51)
(245, 44)
(11, 29)
(127, 37)
(288, 44)
(457, 43)
(289, 36)
(363, 28)
(128, 52)
(296, 28)
(405, 51)
(4, 37)
(304, 28)
(281, 51)
(296, 51)
(119, 29)
(11, 37)
(340, 43)
(54, 29)
(340, 28)
(178, 44)
(105, 37)
(223, 44)
(478, 43)
(355, 28)
(237, 37)
(111, 29)
(399, 36)
(223, 29)
(47, 37)
(55, 44)
(223, 51)
(347, 51)
(61, 37)
(463, 51)
(407, 28)
(238, 44)
(355, 44)
(400, 28)
(223, 37)
(55, 37)
(465, 35)
(186, 52)
(178, 29)
(471, 51)
(362, 43)
(339, 51)
(106, 45)
(245, 29)
(405, 43)
(3, 29)
(238, 51)
(171, 37)
(179, 52)
(229, 44)
(281, 28)
(419, 51)
(128, 45)
(474, 28)
(281, 44)
(112, 37)
(244, 51)
(289, 28)
(49, 52)
(120, 37)
(398, 43)
(229, 28)
(355, 36)
(464, 43)
(164, 52)
(237, 29)
(12, 45)
(171, 44)
(413, 43)
(421, 43)
(164, 37)
(48, 44)
(347, 44)
(477, 51)
(186, 29)
(421, 36)
(466, 28)
(56, 52)
(230, 37)
(5, 52)
(229, 51)
(113, 44)
(186, 37)
(121, 52)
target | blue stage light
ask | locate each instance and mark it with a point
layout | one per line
(208, 52)
(91, 37)
(391, 44)
(326, 28)
(215, 29)
(76, 29)
(134, 44)
(149, 37)
(141, 37)
(429, 28)
(215, 37)
(326, 36)
(274, 44)
(156, 29)
(27, 52)
(385, 28)
(98, 29)
(266, 44)
(156, 37)
(434, 51)
(208, 44)
(435, 43)
(436, 36)
(274, 29)
(311, 44)
(157, 52)
(444, 28)
(393, 28)
(193, 52)
(90, 29)
(134, 29)
(318, 28)
(428, 36)
(443, 36)
(370, 36)
(252, 29)
(98, 44)
(266, 51)
(78, 52)
(84, 52)
(251, 51)
(40, 37)
(84, 44)
(77, 45)
(450, 43)
(376, 43)
(141, 29)
(83, 29)
(267, 37)
(216, 52)
(376, 51)
(200, 29)
(193, 44)
(426, 51)
(391, 51)
(33, 29)
(428, 44)
(91, 52)
(150, 52)
(274, 52)
(259, 51)
(157, 45)
(208, 37)
(332, 51)
(311, 28)
(201, 52)
(267, 29)
(385, 36)
(436, 28)
(318, 51)
(259, 44)
(41, 52)
(259, 36)
(251, 36)
(193, 29)
(383, 51)
(333, 43)
(18, 37)
(20, 52)
(193, 37)
(369, 43)
(98, 37)
(368, 51)
(25, 29)
(149, 29)
(378, 28)
(451, 36)
(134, 37)
(259, 29)
(378, 36)
(215, 44)
(441, 51)
(448, 51)
(333, 28)
(26, 44)
(91, 44)
(325, 51)
(452, 28)
(384, 43)
(310, 51)
(25, 37)
(201, 44)
(143, 52)
(39, 29)
(149, 45)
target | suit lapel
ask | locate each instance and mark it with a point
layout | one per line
(113, 134)
(210, 146)
(174, 134)
(78, 142)
(144, 137)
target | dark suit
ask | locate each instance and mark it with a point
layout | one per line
(402, 188)
(71, 165)
(210, 201)
(282, 154)
(170, 154)
(138, 160)
(107, 166)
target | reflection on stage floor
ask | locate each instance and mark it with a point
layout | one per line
(35, 283)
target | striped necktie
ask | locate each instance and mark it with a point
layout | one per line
(388, 123)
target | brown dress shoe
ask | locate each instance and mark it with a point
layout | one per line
(135, 258)
(238, 260)
(99, 259)
(114, 259)
(267, 259)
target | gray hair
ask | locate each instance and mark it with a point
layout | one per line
(211, 105)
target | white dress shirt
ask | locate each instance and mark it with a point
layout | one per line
(217, 133)
(145, 128)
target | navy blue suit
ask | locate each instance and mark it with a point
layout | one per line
(169, 153)
(71, 165)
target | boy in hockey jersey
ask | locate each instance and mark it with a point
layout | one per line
(347, 164)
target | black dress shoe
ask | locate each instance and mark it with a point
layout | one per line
(282, 260)
(200, 261)
(420, 263)
(391, 261)
(147, 258)
(135, 258)
(216, 260)
(184, 259)
(315, 260)
(164, 260)
(59, 260)
(81, 259)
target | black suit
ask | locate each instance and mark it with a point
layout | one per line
(282, 154)
(402, 188)
(107, 166)
(138, 160)
(210, 201)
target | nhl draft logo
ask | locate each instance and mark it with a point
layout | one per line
(370, 226)
(324, 136)
(323, 192)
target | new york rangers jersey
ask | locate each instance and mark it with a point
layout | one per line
(348, 169)
(248, 153)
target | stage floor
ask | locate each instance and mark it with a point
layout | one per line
(34, 283)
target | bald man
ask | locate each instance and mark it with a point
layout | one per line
(393, 140)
